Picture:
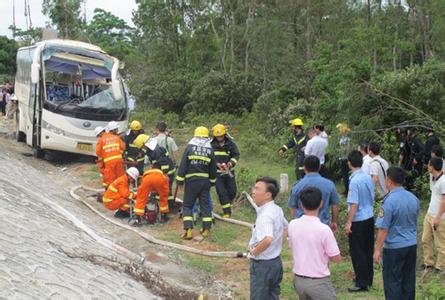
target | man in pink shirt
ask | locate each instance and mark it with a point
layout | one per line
(313, 245)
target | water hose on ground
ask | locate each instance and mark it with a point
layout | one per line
(150, 238)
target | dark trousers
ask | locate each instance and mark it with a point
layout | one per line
(344, 170)
(171, 200)
(3, 106)
(226, 190)
(399, 273)
(265, 279)
(361, 247)
(299, 168)
(324, 172)
(197, 190)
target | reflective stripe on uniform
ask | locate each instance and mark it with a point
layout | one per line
(301, 140)
(285, 147)
(110, 146)
(112, 188)
(112, 157)
(163, 208)
(228, 205)
(153, 171)
(171, 172)
(179, 178)
(133, 145)
(188, 218)
(126, 206)
(205, 175)
(234, 159)
(171, 197)
(141, 159)
(165, 167)
(207, 219)
(221, 153)
(138, 210)
(106, 200)
(198, 157)
(213, 180)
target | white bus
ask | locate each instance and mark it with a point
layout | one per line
(65, 89)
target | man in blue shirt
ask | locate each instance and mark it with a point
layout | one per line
(397, 231)
(360, 223)
(326, 186)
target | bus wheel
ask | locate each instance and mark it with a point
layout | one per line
(20, 136)
(38, 153)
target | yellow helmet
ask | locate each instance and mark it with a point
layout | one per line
(343, 128)
(219, 130)
(201, 131)
(135, 125)
(296, 122)
(140, 140)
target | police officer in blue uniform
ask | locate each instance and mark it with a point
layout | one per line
(397, 235)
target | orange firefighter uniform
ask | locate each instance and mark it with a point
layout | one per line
(109, 150)
(153, 180)
(118, 194)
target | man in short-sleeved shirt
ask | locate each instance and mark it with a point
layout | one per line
(434, 222)
(312, 245)
(266, 268)
(327, 188)
(360, 223)
(377, 169)
(397, 230)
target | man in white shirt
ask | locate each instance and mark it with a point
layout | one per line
(434, 222)
(363, 148)
(317, 146)
(266, 268)
(377, 169)
(319, 128)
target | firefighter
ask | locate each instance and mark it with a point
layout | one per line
(153, 181)
(197, 172)
(118, 195)
(227, 156)
(132, 151)
(431, 140)
(298, 140)
(110, 148)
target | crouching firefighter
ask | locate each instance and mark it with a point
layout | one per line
(118, 194)
(153, 181)
(197, 172)
(227, 156)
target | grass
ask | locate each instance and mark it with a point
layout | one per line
(229, 237)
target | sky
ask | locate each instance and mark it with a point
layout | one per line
(116, 7)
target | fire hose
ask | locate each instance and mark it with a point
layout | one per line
(150, 238)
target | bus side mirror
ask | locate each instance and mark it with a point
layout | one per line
(35, 70)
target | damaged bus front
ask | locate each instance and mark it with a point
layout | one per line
(65, 89)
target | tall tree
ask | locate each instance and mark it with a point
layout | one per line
(65, 15)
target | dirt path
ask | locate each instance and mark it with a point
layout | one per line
(40, 245)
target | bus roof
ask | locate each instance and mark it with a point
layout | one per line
(69, 43)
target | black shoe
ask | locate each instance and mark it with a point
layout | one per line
(99, 197)
(356, 289)
(424, 267)
(120, 214)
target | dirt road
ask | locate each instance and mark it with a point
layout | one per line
(44, 255)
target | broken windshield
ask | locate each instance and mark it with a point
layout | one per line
(81, 87)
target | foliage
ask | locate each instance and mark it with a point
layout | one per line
(65, 15)
(8, 49)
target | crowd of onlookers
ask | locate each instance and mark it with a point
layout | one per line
(8, 101)
(314, 207)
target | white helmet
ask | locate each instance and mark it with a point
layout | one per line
(133, 173)
(112, 126)
(151, 144)
(98, 130)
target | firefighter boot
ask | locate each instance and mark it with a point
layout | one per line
(135, 221)
(187, 235)
(205, 232)
(120, 214)
(164, 218)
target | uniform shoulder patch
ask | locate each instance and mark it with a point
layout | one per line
(381, 213)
